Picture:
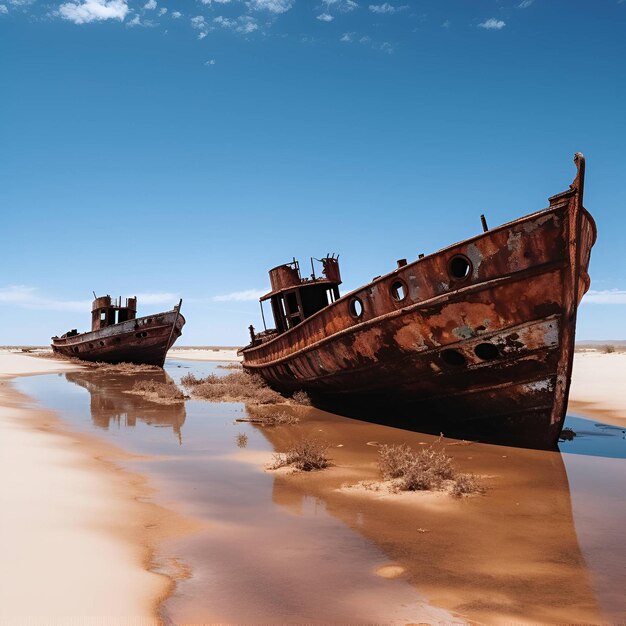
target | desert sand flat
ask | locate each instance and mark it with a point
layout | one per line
(68, 527)
(204, 354)
(598, 388)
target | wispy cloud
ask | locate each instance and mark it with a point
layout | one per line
(150, 5)
(30, 298)
(176, 14)
(606, 296)
(199, 23)
(325, 17)
(243, 24)
(386, 8)
(240, 296)
(492, 24)
(273, 6)
(210, 62)
(341, 6)
(3, 9)
(524, 4)
(93, 11)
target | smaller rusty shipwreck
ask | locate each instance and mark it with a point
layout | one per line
(119, 336)
(475, 340)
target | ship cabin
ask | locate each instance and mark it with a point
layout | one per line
(106, 312)
(293, 299)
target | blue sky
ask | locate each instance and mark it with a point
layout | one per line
(181, 149)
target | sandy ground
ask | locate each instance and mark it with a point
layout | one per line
(598, 388)
(74, 537)
(204, 354)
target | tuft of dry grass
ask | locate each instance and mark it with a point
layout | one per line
(306, 455)
(608, 349)
(158, 391)
(230, 366)
(242, 440)
(301, 397)
(235, 387)
(262, 417)
(428, 469)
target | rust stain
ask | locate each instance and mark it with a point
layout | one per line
(477, 337)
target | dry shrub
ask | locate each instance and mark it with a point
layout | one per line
(466, 484)
(301, 397)
(242, 440)
(426, 470)
(235, 387)
(154, 390)
(608, 349)
(230, 366)
(262, 417)
(306, 455)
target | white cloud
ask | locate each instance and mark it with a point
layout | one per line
(524, 4)
(386, 8)
(492, 24)
(210, 62)
(342, 6)
(3, 9)
(163, 11)
(325, 17)
(93, 10)
(150, 5)
(446, 24)
(199, 23)
(244, 24)
(176, 14)
(21, 3)
(28, 298)
(347, 37)
(209, 2)
(606, 296)
(273, 6)
(240, 296)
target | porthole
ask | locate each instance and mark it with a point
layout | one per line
(91, 345)
(460, 267)
(149, 320)
(453, 357)
(102, 343)
(356, 308)
(75, 349)
(138, 335)
(486, 351)
(398, 291)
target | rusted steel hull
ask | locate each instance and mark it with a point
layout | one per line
(488, 355)
(144, 340)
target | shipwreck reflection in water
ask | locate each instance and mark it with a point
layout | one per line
(111, 402)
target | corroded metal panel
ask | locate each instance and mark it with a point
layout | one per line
(481, 332)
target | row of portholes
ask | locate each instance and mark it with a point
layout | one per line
(101, 344)
(459, 268)
(484, 351)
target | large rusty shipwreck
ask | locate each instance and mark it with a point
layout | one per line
(475, 340)
(119, 336)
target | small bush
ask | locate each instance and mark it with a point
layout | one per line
(426, 470)
(301, 397)
(465, 484)
(235, 387)
(306, 455)
(608, 349)
(158, 390)
(230, 366)
(242, 440)
(260, 416)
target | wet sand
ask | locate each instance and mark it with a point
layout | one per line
(542, 545)
(204, 354)
(77, 533)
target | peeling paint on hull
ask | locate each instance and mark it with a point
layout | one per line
(487, 354)
(144, 340)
